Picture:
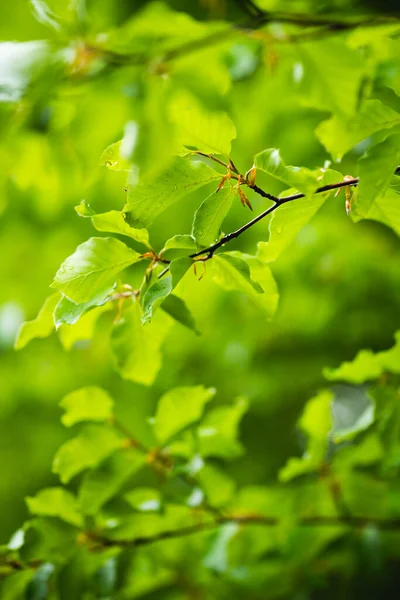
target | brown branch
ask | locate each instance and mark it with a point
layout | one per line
(277, 203)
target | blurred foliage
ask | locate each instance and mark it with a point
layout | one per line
(284, 483)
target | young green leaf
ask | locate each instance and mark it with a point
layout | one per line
(93, 445)
(86, 404)
(92, 268)
(42, 326)
(367, 366)
(217, 434)
(84, 329)
(160, 289)
(209, 217)
(339, 136)
(105, 481)
(180, 242)
(137, 349)
(179, 408)
(68, 313)
(299, 178)
(386, 210)
(200, 128)
(56, 502)
(113, 222)
(234, 271)
(376, 170)
(148, 199)
(112, 158)
(176, 308)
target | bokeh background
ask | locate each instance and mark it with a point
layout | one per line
(339, 282)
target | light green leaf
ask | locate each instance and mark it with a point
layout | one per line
(102, 483)
(299, 178)
(93, 268)
(199, 128)
(112, 158)
(84, 329)
(93, 444)
(42, 326)
(285, 224)
(217, 434)
(243, 273)
(15, 585)
(180, 242)
(113, 222)
(217, 557)
(367, 366)
(339, 136)
(209, 217)
(218, 486)
(179, 408)
(148, 199)
(87, 404)
(376, 170)
(386, 210)
(144, 499)
(68, 313)
(316, 423)
(160, 289)
(44, 14)
(176, 308)
(56, 502)
(137, 349)
(329, 76)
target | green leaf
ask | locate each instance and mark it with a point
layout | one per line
(87, 404)
(180, 242)
(137, 349)
(367, 366)
(41, 584)
(218, 431)
(300, 178)
(104, 482)
(144, 499)
(386, 210)
(209, 217)
(93, 444)
(42, 326)
(93, 268)
(316, 423)
(217, 485)
(155, 295)
(217, 557)
(84, 329)
(285, 224)
(176, 308)
(243, 273)
(112, 159)
(329, 76)
(68, 313)
(56, 502)
(179, 408)
(339, 136)
(150, 198)
(15, 585)
(200, 128)
(113, 222)
(376, 170)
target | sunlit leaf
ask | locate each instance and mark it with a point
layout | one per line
(93, 444)
(56, 502)
(209, 217)
(137, 349)
(178, 408)
(300, 178)
(218, 431)
(150, 198)
(93, 268)
(339, 136)
(86, 404)
(42, 326)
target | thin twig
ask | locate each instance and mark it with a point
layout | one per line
(388, 524)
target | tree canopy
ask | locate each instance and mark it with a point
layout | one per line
(199, 322)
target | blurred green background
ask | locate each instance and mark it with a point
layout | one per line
(339, 282)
